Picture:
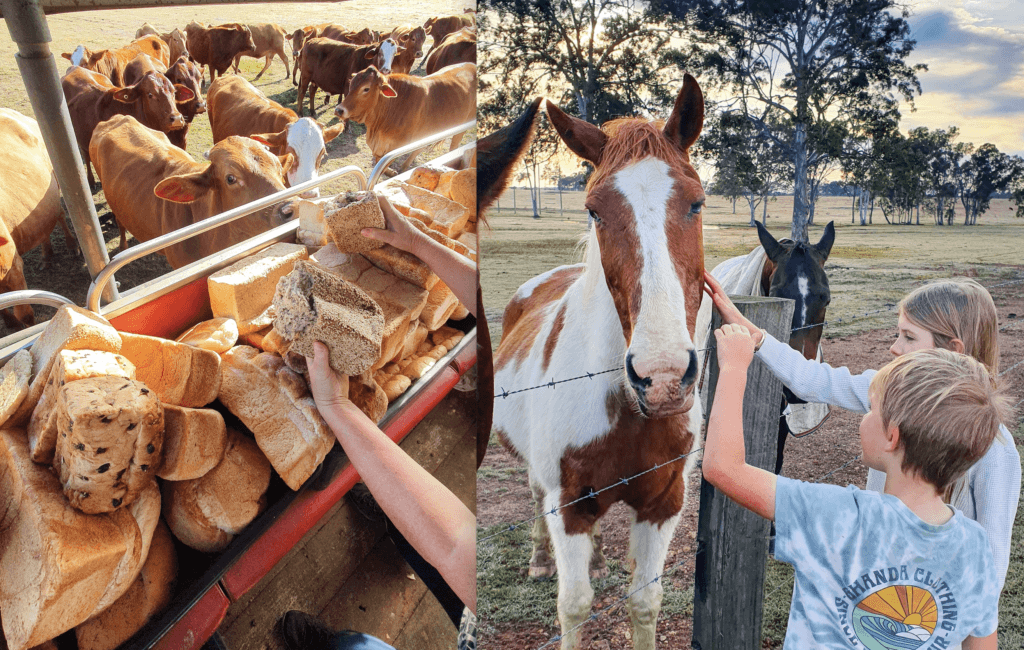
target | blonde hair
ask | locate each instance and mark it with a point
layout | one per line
(947, 407)
(957, 309)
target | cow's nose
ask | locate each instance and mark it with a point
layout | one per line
(201, 107)
(386, 70)
(311, 194)
(341, 112)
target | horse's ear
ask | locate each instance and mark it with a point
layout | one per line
(771, 246)
(687, 119)
(498, 153)
(824, 247)
(585, 139)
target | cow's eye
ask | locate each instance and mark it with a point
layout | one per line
(151, 95)
(231, 179)
(366, 89)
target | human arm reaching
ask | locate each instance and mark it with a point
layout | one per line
(456, 271)
(428, 514)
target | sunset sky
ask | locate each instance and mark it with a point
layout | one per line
(975, 80)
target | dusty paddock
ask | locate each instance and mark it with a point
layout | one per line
(114, 28)
(870, 266)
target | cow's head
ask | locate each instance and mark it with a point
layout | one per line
(365, 89)
(385, 55)
(186, 73)
(158, 100)
(241, 37)
(176, 41)
(80, 56)
(429, 25)
(305, 139)
(415, 39)
(645, 244)
(241, 170)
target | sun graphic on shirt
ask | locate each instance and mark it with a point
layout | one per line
(900, 616)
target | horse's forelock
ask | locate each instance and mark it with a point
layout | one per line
(631, 140)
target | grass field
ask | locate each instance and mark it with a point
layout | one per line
(869, 265)
(114, 28)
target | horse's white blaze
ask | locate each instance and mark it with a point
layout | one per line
(388, 49)
(802, 284)
(660, 340)
(306, 139)
(78, 55)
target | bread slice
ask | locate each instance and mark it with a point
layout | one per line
(440, 304)
(217, 335)
(71, 328)
(415, 338)
(255, 339)
(194, 442)
(111, 432)
(206, 513)
(347, 214)
(314, 305)
(179, 374)
(404, 265)
(460, 312)
(446, 241)
(244, 290)
(462, 189)
(149, 594)
(14, 380)
(448, 217)
(71, 365)
(275, 343)
(275, 404)
(55, 562)
(312, 231)
(427, 176)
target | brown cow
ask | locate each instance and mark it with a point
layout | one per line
(111, 63)
(29, 206)
(175, 39)
(217, 47)
(299, 38)
(153, 187)
(188, 73)
(402, 108)
(411, 39)
(440, 26)
(92, 99)
(457, 47)
(328, 65)
(139, 66)
(269, 39)
(239, 108)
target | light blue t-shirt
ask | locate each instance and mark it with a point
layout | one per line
(871, 574)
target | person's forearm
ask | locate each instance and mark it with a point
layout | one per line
(990, 642)
(456, 271)
(724, 448)
(429, 515)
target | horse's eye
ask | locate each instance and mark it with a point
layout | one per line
(697, 207)
(597, 219)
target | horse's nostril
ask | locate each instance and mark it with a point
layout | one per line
(639, 383)
(690, 375)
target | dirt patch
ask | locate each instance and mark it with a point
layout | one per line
(830, 455)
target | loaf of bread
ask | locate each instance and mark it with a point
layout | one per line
(449, 337)
(404, 265)
(427, 176)
(206, 513)
(414, 340)
(70, 365)
(460, 312)
(274, 342)
(145, 513)
(462, 189)
(179, 374)
(110, 437)
(470, 241)
(275, 404)
(347, 214)
(395, 386)
(217, 335)
(440, 304)
(446, 241)
(56, 563)
(194, 442)
(71, 328)
(312, 231)
(148, 595)
(244, 290)
(448, 217)
(368, 397)
(255, 339)
(14, 380)
(314, 305)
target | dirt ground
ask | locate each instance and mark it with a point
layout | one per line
(113, 28)
(830, 455)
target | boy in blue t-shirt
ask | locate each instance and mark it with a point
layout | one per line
(900, 569)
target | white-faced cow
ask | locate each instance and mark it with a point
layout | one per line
(153, 187)
(239, 108)
(402, 108)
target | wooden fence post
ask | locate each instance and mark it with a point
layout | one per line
(732, 542)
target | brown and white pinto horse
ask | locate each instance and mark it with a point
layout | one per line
(633, 303)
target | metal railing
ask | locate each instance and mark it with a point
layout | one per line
(171, 238)
(389, 157)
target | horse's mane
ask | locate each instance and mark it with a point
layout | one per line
(633, 139)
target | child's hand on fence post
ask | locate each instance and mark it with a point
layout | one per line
(725, 306)
(735, 347)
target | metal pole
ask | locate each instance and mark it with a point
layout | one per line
(29, 30)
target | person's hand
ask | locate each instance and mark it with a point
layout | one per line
(328, 387)
(735, 347)
(397, 230)
(730, 314)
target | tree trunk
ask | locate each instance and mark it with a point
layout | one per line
(940, 219)
(764, 211)
(919, 214)
(871, 214)
(734, 205)
(853, 208)
(753, 210)
(800, 195)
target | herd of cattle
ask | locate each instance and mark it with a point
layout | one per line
(131, 109)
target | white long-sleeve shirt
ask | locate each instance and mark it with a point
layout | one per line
(994, 481)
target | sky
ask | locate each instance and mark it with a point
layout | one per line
(974, 51)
